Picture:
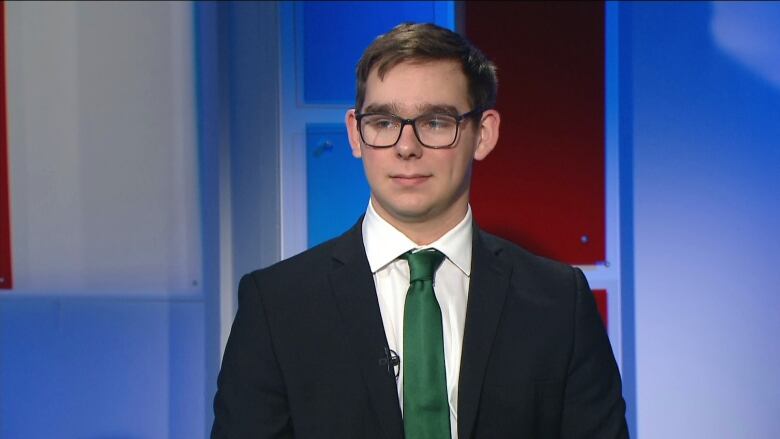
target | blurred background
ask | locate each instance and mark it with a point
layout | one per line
(153, 152)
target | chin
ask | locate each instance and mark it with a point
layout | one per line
(414, 214)
(408, 212)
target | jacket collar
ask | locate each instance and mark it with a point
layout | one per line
(487, 294)
(355, 296)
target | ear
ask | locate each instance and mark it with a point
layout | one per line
(488, 134)
(353, 133)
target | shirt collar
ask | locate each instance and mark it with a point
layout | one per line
(384, 243)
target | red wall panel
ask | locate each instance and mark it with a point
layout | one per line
(5, 212)
(601, 304)
(543, 186)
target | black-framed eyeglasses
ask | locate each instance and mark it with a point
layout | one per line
(433, 130)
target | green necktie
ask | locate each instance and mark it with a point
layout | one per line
(426, 409)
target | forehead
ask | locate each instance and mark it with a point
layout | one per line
(411, 87)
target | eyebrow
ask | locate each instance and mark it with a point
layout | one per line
(382, 108)
(393, 108)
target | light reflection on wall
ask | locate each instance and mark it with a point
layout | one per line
(749, 32)
(706, 106)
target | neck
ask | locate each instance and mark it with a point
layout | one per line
(423, 231)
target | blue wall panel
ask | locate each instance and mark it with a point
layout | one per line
(336, 33)
(705, 112)
(337, 192)
(84, 368)
(91, 368)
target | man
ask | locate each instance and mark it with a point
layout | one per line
(415, 322)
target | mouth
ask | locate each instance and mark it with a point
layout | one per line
(410, 179)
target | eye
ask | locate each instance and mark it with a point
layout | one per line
(437, 122)
(380, 122)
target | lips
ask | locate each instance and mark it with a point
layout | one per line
(410, 179)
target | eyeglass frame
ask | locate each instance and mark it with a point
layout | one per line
(458, 119)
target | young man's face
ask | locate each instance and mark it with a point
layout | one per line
(411, 183)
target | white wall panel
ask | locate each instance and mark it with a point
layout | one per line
(102, 145)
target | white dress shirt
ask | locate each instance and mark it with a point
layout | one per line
(384, 244)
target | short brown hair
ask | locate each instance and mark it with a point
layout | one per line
(429, 42)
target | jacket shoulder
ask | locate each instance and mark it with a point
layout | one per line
(311, 267)
(309, 264)
(521, 259)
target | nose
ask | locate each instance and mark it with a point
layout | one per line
(408, 146)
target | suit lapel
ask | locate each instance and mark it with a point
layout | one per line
(355, 296)
(487, 293)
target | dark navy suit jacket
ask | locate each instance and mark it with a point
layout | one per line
(306, 351)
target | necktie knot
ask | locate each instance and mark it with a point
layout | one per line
(423, 264)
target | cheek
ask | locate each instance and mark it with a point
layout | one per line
(372, 165)
(460, 165)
